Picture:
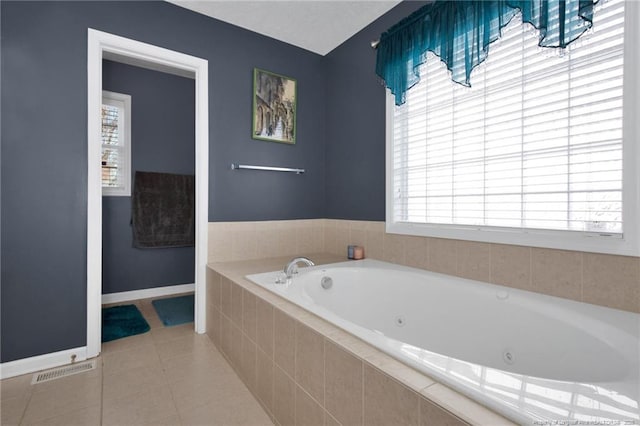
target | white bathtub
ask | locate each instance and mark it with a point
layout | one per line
(533, 358)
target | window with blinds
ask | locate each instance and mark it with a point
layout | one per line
(535, 145)
(116, 145)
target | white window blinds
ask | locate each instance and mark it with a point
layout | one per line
(116, 144)
(535, 143)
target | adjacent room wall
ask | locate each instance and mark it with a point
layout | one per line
(162, 140)
(44, 148)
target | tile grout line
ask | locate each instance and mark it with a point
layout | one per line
(582, 277)
(102, 389)
(419, 408)
(173, 398)
(362, 369)
(26, 406)
(324, 378)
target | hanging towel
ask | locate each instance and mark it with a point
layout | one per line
(163, 210)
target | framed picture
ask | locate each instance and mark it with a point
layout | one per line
(274, 107)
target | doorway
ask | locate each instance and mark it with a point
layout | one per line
(101, 46)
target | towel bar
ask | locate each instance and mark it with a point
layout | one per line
(267, 168)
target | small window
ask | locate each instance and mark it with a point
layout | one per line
(116, 144)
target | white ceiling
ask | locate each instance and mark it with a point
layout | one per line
(316, 25)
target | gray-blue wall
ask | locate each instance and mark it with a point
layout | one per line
(340, 141)
(355, 113)
(162, 140)
(44, 151)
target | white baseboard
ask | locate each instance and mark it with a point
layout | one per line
(41, 362)
(126, 296)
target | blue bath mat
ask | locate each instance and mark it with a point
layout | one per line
(122, 321)
(175, 310)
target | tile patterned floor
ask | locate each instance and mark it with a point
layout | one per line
(168, 376)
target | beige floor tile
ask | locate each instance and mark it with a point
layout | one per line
(149, 313)
(138, 357)
(153, 320)
(127, 343)
(189, 394)
(183, 346)
(58, 400)
(140, 380)
(84, 417)
(15, 387)
(228, 412)
(132, 381)
(166, 334)
(169, 421)
(147, 407)
(199, 365)
(12, 409)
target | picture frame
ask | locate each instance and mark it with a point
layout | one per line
(274, 107)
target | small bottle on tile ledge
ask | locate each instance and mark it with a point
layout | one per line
(358, 252)
(350, 252)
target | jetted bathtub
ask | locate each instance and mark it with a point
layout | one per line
(535, 359)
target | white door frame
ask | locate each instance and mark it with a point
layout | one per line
(101, 44)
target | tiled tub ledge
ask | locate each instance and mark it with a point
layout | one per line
(305, 371)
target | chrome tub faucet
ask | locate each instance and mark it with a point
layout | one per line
(292, 267)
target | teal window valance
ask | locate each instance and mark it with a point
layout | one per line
(460, 32)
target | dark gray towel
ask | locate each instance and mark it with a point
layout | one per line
(163, 210)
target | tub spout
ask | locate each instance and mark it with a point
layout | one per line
(292, 266)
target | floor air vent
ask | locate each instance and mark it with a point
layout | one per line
(67, 370)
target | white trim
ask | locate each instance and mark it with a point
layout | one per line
(629, 245)
(123, 102)
(202, 193)
(94, 196)
(101, 44)
(631, 125)
(154, 66)
(126, 296)
(41, 362)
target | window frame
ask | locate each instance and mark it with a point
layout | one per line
(628, 245)
(122, 101)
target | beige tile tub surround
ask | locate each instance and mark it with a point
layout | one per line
(232, 241)
(607, 280)
(600, 279)
(309, 372)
